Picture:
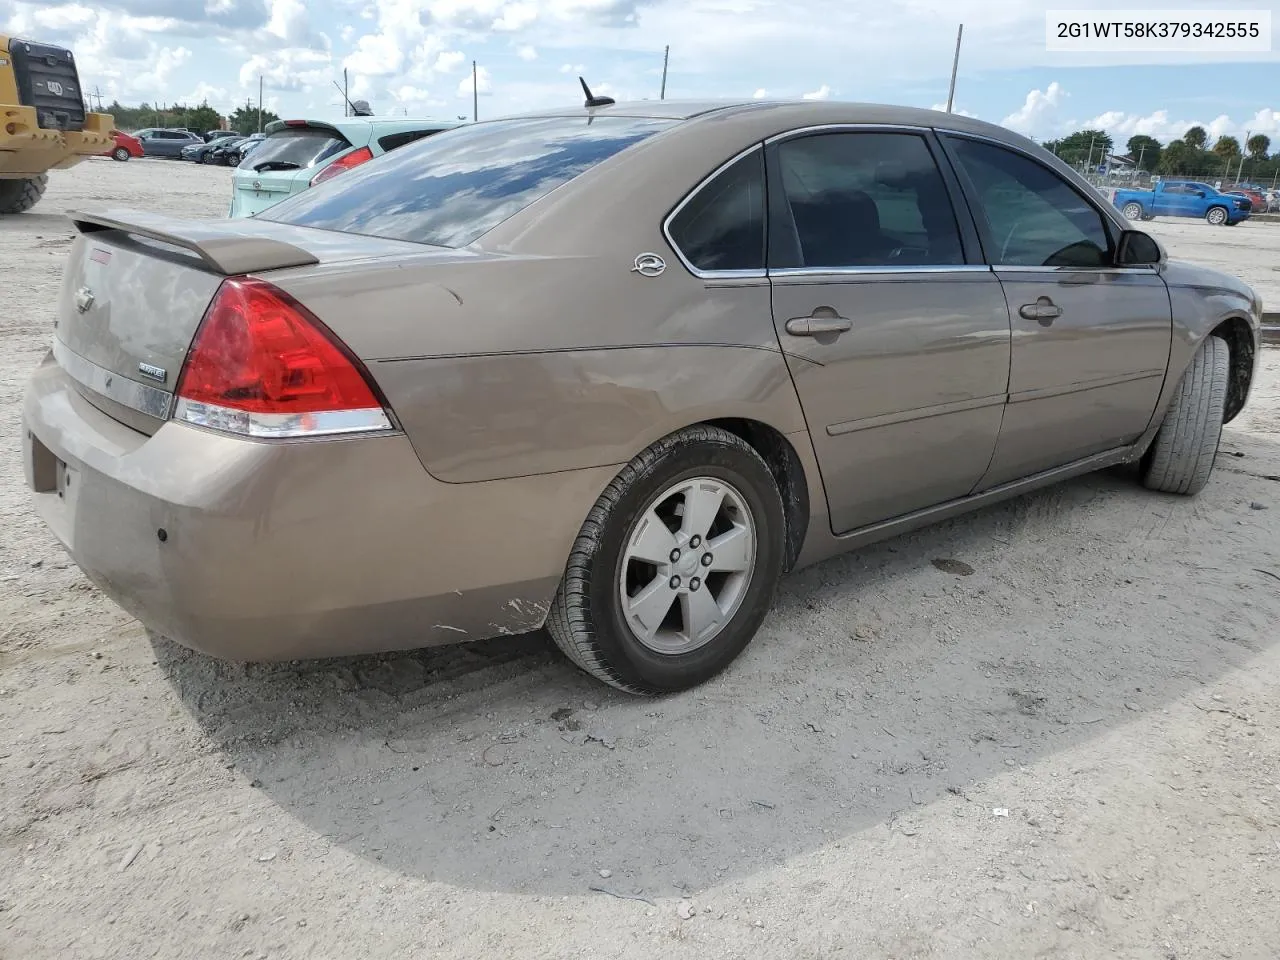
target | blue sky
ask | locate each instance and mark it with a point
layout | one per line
(415, 56)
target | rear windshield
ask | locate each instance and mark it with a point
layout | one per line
(293, 149)
(451, 188)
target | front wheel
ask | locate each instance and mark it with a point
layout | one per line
(1216, 216)
(675, 567)
(1133, 211)
(19, 196)
(120, 153)
(1182, 455)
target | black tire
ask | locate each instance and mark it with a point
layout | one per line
(586, 618)
(1182, 455)
(120, 153)
(1216, 216)
(19, 196)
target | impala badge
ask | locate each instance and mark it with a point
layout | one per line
(84, 299)
(649, 265)
(155, 373)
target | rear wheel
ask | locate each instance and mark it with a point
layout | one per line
(19, 196)
(1132, 211)
(120, 153)
(1216, 216)
(675, 567)
(1183, 453)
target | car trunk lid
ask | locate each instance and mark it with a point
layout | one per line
(137, 286)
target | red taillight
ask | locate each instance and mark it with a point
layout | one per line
(343, 164)
(262, 365)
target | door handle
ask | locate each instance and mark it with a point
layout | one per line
(1044, 310)
(816, 326)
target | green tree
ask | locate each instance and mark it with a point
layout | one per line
(1196, 138)
(203, 118)
(1176, 159)
(1227, 147)
(1259, 145)
(1076, 148)
(245, 119)
(1145, 149)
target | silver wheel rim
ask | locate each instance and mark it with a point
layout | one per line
(1133, 211)
(1216, 216)
(687, 565)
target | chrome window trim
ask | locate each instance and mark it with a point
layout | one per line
(863, 271)
(855, 127)
(688, 198)
(1020, 268)
(142, 397)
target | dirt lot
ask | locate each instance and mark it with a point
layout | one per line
(1072, 752)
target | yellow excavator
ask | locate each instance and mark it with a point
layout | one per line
(44, 124)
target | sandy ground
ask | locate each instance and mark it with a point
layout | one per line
(1072, 752)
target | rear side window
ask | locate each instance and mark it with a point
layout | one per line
(721, 227)
(451, 188)
(393, 141)
(295, 148)
(865, 200)
(1034, 217)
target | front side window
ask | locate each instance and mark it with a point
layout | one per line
(451, 188)
(721, 227)
(1034, 217)
(864, 200)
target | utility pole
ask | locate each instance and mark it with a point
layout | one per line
(1088, 164)
(666, 56)
(97, 95)
(259, 103)
(955, 66)
(475, 93)
(1141, 153)
(346, 104)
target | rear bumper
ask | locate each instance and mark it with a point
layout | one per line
(290, 550)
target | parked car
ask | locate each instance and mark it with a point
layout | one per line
(210, 151)
(124, 147)
(1183, 198)
(211, 135)
(238, 150)
(1273, 201)
(224, 151)
(166, 143)
(1256, 197)
(297, 154)
(563, 370)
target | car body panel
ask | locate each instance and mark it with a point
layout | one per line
(254, 191)
(130, 143)
(525, 368)
(166, 143)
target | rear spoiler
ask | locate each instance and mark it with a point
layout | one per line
(223, 245)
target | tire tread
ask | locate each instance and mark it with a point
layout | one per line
(1183, 453)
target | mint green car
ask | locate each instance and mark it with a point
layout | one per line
(297, 154)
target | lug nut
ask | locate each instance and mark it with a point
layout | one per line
(695, 540)
(695, 583)
(674, 583)
(675, 555)
(706, 559)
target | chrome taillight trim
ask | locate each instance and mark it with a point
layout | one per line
(281, 426)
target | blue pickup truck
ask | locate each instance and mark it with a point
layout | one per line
(1184, 198)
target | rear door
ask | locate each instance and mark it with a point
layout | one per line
(897, 337)
(1090, 340)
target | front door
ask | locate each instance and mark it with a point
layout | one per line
(1090, 340)
(897, 342)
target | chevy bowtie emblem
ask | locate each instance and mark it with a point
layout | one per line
(84, 299)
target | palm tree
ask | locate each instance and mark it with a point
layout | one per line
(1196, 138)
(1227, 147)
(1259, 145)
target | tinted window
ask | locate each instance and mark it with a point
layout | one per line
(1034, 217)
(450, 189)
(866, 200)
(393, 141)
(293, 149)
(722, 225)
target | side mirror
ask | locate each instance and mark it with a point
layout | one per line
(1137, 249)
(1200, 194)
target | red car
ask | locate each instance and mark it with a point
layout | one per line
(1259, 201)
(126, 146)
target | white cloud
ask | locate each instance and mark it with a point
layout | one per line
(576, 69)
(483, 84)
(1038, 113)
(448, 61)
(527, 53)
(822, 93)
(289, 69)
(376, 54)
(959, 112)
(515, 17)
(760, 94)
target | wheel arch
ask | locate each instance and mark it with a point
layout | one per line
(1238, 334)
